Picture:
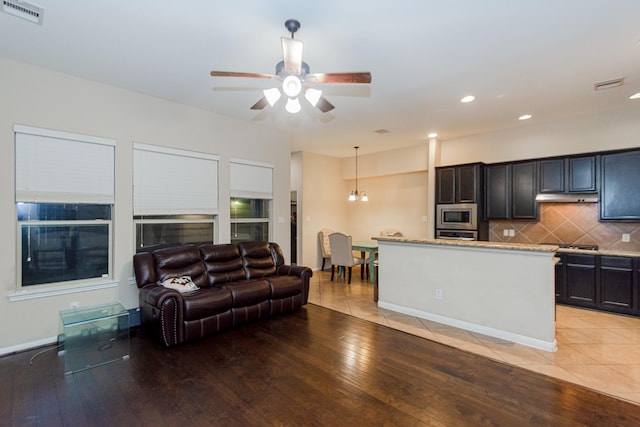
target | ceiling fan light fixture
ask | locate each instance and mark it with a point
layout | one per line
(313, 95)
(291, 86)
(272, 95)
(293, 106)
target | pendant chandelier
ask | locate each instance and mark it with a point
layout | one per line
(355, 196)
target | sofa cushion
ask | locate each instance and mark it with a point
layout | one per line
(248, 292)
(258, 260)
(206, 302)
(284, 286)
(222, 263)
(180, 261)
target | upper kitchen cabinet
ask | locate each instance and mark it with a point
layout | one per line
(524, 187)
(497, 179)
(619, 189)
(552, 176)
(568, 175)
(459, 184)
(583, 174)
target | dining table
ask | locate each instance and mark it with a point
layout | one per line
(370, 248)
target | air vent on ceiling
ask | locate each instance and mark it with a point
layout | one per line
(23, 10)
(609, 84)
(382, 131)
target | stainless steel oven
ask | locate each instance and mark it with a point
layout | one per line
(456, 235)
(461, 216)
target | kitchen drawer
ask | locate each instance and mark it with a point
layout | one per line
(581, 259)
(623, 263)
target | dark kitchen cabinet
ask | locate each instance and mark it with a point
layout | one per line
(497, 179)
(602, 282)
(582, 174)
(445, 185)
(459, 184)
(524, 187)
(616, 283)
(568, 175)
(552, 176)
(619, 189)
(581, 279)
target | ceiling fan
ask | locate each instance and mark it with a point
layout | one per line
(296, 77)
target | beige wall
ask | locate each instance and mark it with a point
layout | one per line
(607, 131)
(40, 98)
(396, 183)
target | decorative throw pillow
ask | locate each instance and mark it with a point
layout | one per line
(181, 284)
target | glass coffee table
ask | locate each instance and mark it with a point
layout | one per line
(93, 336)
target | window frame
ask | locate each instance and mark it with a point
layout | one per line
(173, 219)
(65, 283)
(101, 192)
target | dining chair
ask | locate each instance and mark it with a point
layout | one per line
(325, 248)
(342, 254)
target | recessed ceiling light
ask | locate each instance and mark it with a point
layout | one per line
(525, 117)
(468, 98)
(635, 96)
(433, 135)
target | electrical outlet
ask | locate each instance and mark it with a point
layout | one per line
(512, 232)
(626, 237)
(505, 232)
(74, 304)
(438, 293)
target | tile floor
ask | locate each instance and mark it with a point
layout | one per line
(595, 349)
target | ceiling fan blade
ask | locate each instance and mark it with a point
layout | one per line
(260, 104)
(292, 55)
(324, 105)
(236, 74)
(361, 77)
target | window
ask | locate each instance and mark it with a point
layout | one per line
(63, 243)
(251, 194)
(250, 219)
(175, 196)
(154, 232)
(64, 193)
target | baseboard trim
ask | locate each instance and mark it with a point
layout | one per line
(19, 348)
(472, 327)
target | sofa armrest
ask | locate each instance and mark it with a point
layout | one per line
(304, 273)
(162, 313)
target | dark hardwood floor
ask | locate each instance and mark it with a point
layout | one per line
(313, 367)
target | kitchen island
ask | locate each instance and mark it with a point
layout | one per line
(498, 289)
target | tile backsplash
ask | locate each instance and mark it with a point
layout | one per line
(573, 223)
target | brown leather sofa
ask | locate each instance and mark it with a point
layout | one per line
(238, 284)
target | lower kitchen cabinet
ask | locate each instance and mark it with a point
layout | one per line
(602, 282)
(616, 283)
(581, 276)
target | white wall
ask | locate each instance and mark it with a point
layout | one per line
(504, 293)
(40, 98)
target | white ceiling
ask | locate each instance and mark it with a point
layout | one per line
(536, 56)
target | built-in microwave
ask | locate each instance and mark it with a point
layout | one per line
(461, 216)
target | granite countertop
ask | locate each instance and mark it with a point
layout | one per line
(600, 252)
(472, 243)
(509, 246)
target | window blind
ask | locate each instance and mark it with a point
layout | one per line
(169, 181)
(60, 167)
(251, 180)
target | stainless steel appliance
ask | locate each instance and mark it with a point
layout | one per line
(460, 216)
(456, 235)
